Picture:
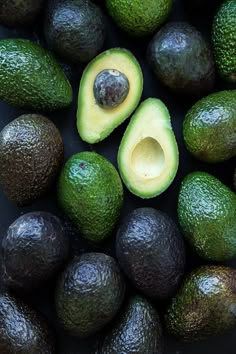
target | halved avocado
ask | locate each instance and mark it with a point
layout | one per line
(110, 89)
(148, 156)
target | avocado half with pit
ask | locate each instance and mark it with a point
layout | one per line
(148, 156)
(110, 89)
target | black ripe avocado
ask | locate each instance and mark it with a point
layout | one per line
(182, 59)
(34, 249)
(110, 89)
(75, 29)
(22, 331)
(148, 156)
(137, 330)
(151, 251)
(23, 13)
(89, 294)
(204, 305)
(31, 152)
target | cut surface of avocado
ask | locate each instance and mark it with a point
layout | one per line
(148, 156)
(94, 121)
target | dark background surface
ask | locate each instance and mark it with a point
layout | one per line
(66, 122)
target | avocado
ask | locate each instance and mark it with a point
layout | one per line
(139, 18)
(89, 294)
(207, 215)
(16, 13)
(22, 331)
(148, 156)
(31, 152)
(224, 40)
(137, 330)
(74, 29)
(110, 89)
(204, 305)
(209, 127)
(182, 59)
(31, 78)
(34, 249)
(90, 193)
(151, 252)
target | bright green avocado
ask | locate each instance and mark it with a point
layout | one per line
(148, 155)
(110, 89)
(91, 194)
(224, 40)
(207, 215)
(31, 78)
(210, 125)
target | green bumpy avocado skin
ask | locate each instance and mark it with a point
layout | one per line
(207, 216)
(90, 192)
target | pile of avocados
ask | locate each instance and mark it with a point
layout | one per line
(118, 176)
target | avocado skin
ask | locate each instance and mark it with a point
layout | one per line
(209, 127)
(207, 216)
(31, 78)
(22, 331)
(75, 29)
(151, 252)
(31, 152)
(204, 305)
(181, 59)
(137, 330)
(90, 192)
(19, 12)
(34, 249)
(89, 294)
(224, 40)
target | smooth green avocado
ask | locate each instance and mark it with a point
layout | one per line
(110, 89)
(148, 156)
(90, 192)
(209, 127)
(207, 216)
(31, 78)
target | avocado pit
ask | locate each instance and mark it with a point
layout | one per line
(111, 87)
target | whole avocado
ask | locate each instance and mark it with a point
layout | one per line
(15, 13)
(137, 330)
(151, 252)
(204, 305)
(75, 29)
(22, 331)
(34, 249)
(31, 78)
(89, 294)
(31, 152)
(181, 59)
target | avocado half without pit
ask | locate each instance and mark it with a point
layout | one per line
(110, 89)
(148, 156)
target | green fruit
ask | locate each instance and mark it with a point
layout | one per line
(204, 305)
(139, 18)
(224, 40)
(148, 155)
(74, 29)
(40, 236)
(20, 12)
(89, 294)
(110, 89)
(209, 127)
(137, 330)
(22, 331)
(207, 215)
(31, 152)
(151, 252)
(91, 193)
(182, 59)
(31, 78)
